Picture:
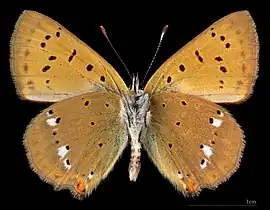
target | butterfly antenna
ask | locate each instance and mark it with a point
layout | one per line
(161, 37)
(105, 34)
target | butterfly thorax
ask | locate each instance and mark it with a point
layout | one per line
(135, 113)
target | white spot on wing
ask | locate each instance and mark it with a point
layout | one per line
(207, 151)
(62, 151)
(66, 165)
(181, 176)
(217, 122)
(203, 166)
(90, 176)
(51, 122)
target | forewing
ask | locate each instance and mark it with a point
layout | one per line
(220, 64)
(49, 63)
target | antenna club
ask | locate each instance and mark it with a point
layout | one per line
(163, 32)
(103, 31)
(165, 28)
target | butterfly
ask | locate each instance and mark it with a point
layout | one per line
(176, 118)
